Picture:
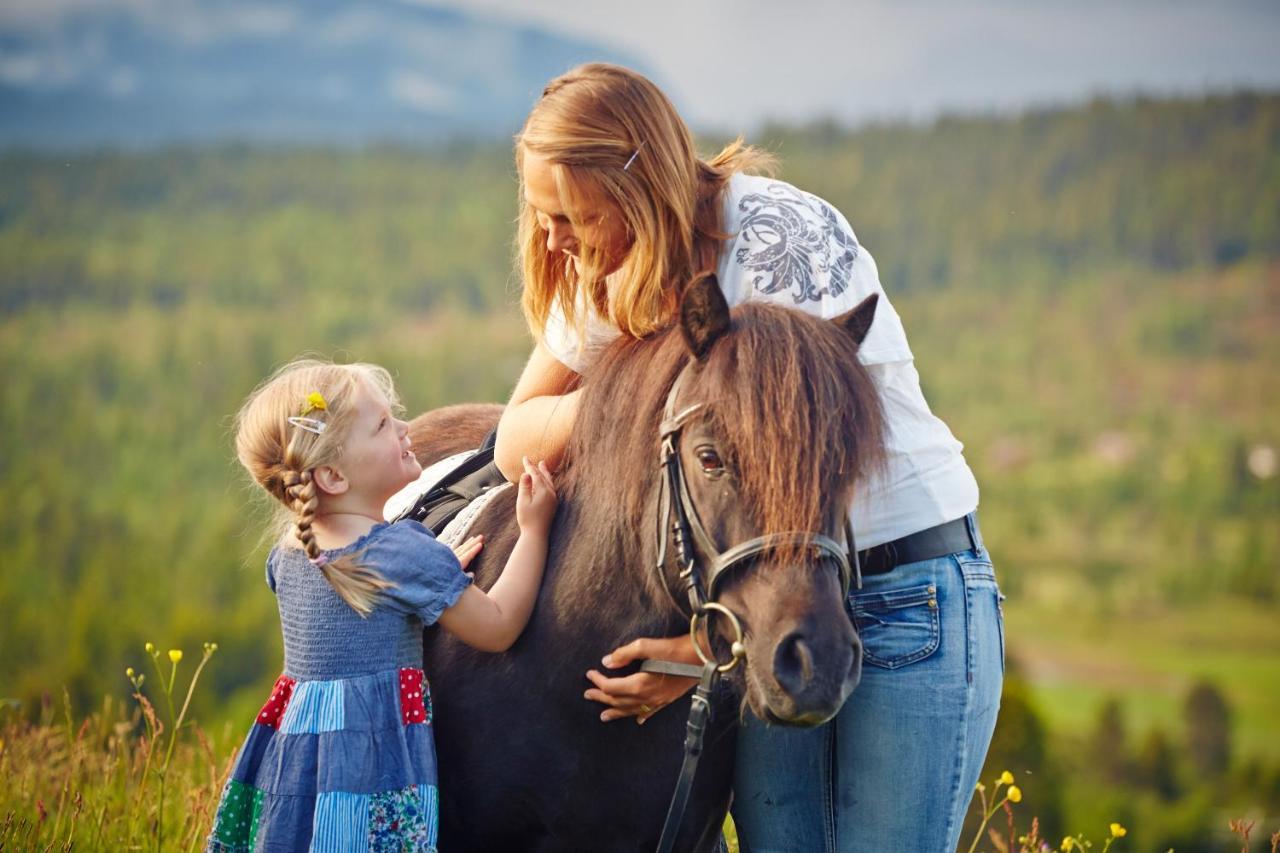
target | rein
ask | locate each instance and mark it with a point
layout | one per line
(678, 521)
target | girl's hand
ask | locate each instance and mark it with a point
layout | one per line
(642, 694)
(536, 498)
(466, 552)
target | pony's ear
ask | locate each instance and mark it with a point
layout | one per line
(858, 321)
(704, 315)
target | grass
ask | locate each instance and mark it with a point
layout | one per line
(1075, 660)
(123, 778)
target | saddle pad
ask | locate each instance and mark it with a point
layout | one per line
(456, 531)
(432, 474)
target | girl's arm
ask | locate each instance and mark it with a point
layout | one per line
(492, 621)
(539, 417)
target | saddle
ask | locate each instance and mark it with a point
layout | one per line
(475, 476)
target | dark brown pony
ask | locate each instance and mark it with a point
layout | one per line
(790, 420)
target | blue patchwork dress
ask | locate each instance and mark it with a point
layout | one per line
(341, 757)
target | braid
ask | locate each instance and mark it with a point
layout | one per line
(357, 585)
(300, 489)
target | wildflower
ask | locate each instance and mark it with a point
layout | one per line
(175, 655)
(129, 672)
(1118, 831)
(314, 401)
(980, 787)
(1068, 844)
(1014, 794)
(151, 649)
(1006, 778)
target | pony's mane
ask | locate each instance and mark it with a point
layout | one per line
(779, 384)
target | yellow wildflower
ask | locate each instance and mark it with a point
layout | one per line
(1014, 794)
(151, 649)
(1068, 844)
(1118, 831)
(315, 401)
(175, 655)
(1006, 778)
(129, 672)
(980, 787)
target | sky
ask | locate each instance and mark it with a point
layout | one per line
(729, 64)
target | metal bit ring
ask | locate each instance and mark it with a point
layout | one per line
(738, 649)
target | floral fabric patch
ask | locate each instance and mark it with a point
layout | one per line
(403, 820)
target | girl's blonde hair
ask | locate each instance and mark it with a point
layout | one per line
(610, 133)
(282, 457)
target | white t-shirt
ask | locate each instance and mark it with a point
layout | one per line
(792, 248)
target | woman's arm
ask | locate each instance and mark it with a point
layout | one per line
(539, 417)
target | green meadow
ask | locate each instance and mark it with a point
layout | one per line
(1092, 295)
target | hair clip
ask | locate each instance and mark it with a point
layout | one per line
(319, 561)
(314, 402)
(309, 424)
(634, 155)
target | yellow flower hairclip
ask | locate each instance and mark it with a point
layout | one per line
(314, 402)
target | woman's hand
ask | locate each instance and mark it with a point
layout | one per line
(536, 499)
(466, 552)
(642, 694)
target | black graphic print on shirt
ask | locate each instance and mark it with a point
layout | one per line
(794, 242)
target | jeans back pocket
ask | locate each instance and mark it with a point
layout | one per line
(897, 626)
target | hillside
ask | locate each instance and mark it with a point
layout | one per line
(1092, 295)
(333, 72)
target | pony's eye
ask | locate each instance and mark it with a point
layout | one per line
(709, 460)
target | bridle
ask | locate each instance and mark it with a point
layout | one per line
(678, 523)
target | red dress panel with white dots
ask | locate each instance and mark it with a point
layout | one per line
(274, 709)
(415, 706)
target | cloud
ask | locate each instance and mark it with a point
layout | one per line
(731, 63)
(421, 93)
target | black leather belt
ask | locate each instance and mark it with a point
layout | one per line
(928, 544)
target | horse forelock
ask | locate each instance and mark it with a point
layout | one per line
(799, 413)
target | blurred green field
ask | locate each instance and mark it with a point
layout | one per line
(1150, 661)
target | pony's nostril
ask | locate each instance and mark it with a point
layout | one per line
(793, 663)
(854, 674)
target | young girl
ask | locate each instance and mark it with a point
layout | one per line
(341, 756)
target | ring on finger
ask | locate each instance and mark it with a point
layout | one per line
(646, 710)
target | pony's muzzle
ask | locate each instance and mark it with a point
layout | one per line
(814, 675)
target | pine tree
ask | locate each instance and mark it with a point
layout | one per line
(1208, 720)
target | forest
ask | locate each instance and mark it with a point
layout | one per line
(1092, 294)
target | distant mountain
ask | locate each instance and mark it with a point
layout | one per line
(311, 71)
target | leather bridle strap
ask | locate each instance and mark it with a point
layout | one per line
(695, 730)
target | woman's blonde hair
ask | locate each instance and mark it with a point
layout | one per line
(610, 133)
(282, 457)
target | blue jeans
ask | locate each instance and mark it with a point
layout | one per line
(896, 768)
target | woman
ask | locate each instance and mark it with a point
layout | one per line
(617, 214)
